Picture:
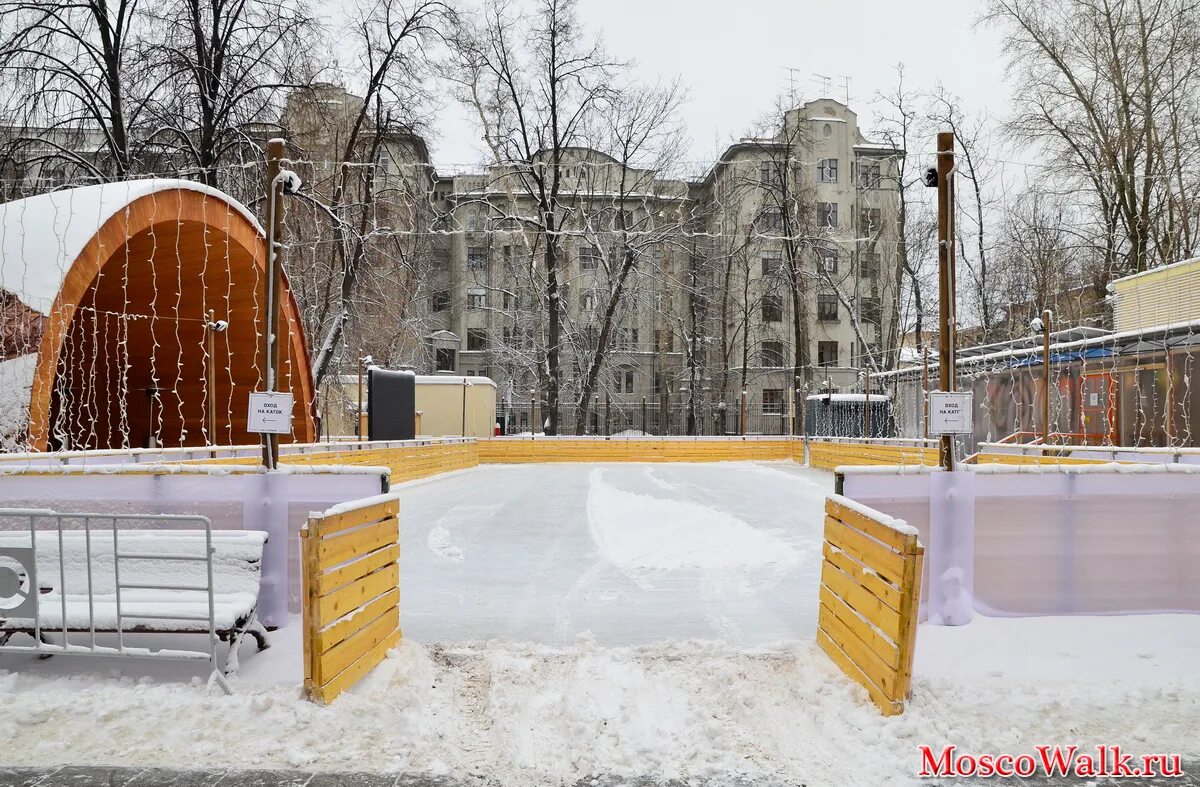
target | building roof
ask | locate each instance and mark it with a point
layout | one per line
(40, 237)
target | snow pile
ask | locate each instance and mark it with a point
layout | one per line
(527, 714)
(644, 535)
(440, 544)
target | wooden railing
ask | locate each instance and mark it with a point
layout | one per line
(869, 598)
(351, 597)
(826, 454)
(512, 450)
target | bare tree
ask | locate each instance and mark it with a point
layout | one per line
(219, 66)
(1104, 87)
(71, 68)
(391, 37)
(535, 84)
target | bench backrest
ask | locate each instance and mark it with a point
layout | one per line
(145, 558)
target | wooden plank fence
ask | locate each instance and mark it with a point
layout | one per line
(828, 455)
(621, 449)
(869, 597)
(351, 597)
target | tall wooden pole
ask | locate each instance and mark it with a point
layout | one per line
(358, 414)
(945, 168)
(274, 285)
(925, 387)
(1046, 318)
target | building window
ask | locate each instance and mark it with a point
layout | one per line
(476, 222)
(868, 176)
(589, 258)
(510, 301)
(770, 173)
(444, 358)
(772, 401)
(868, 265)
(827, 307)
(772, 308)
(476, 299)
(827, 261)
(827, 215)
(770, 220)
(772, 355)
(827, 353)
(477, 258)
(440, 301)
(623, 379)
(476, 340)
(827, 170)
(870, 220)
(869, 310)
(588, 300)
(384, 161)
(626, 339)
(664, 340)
(772, 264)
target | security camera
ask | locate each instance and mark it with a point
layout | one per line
(930, 177)
(291, 181)
(1035, 325)
(220, 326)
(368, 360)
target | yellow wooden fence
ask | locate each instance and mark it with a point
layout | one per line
(869, 597)
(655, 449)
(351, 597)
(828, 455)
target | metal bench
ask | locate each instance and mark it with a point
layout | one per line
(82, 575)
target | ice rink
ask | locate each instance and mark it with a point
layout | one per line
(627, 554)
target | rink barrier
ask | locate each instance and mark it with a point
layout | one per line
(407, 460)
(351, 595)
(515, 450)
(869, 599)
(826, 454)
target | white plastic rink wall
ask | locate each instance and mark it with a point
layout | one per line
(1047, 539)
(233, 497)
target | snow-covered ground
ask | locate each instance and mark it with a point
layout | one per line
(651, 620)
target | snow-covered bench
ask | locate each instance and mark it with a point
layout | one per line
(161, 577)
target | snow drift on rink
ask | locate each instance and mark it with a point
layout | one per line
(531, 714)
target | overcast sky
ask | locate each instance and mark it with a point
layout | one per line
(733, 57)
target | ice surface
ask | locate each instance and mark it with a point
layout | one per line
(632, 553)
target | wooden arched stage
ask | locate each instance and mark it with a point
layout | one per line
(123, 357)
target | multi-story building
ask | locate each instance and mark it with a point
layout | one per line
(789, 235)
(802, 227)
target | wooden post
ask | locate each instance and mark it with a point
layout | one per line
(945, 170)
(1046, 318)
(607, 414)
(644, 416)
(744, 416)
(925, 389)
(274, 284)
(210, 329)
(358, 413)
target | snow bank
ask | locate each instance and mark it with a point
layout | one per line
(528, 714)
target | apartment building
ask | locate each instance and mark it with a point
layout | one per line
(804, 222)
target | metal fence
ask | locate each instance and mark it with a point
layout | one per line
(650, 416)
(73, 574)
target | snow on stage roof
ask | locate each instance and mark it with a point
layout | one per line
(40, 237)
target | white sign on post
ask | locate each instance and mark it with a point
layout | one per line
(951, 412)
(270, 413)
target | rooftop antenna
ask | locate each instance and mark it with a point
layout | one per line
(823, 81)
(791, 83)
(846, 87)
